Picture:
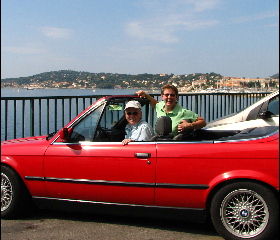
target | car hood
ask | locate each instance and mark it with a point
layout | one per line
(23, 140)
(25, 146)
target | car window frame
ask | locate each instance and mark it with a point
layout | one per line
(276, 98)
(84, 117)
(263, 107)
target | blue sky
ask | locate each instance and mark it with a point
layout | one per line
(231, 37)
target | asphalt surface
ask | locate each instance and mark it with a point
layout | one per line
(51, 225)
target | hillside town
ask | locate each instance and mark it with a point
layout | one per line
(197, 82)
(235, 84)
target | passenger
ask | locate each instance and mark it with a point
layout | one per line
(182, 119)
(136, 129)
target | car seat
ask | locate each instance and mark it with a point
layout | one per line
(163, 129)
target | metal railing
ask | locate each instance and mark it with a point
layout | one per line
(32, 116)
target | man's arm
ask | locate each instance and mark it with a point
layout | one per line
(143, 94)
(184, 124)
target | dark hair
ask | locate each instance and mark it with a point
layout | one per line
(169, 86)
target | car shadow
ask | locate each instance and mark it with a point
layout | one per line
(165, 224)
(161, 223)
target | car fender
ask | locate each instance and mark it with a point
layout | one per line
(244, 174)
(9, 161)
(35, 188)
(12, 163)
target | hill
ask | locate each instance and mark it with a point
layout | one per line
(76, 79)
(275, 76)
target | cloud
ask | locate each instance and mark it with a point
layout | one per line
(260, 16)
(135, 51)
(56, 33)
(165, 30)
(24, 50)
(142, 30)
(202, 5)
(274, 25)
(167, 19)
(192, 5)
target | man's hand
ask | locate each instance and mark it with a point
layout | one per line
(141, 94)
(126, 141)
(184, 125)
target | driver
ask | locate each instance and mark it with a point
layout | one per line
(136, 129)
(182, 119)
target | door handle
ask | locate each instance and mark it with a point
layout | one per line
(143, 155)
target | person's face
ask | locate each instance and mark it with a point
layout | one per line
(133, 115)
(169, 97)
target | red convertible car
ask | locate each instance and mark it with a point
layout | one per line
(232, 176)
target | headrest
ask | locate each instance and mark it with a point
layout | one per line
(163, 126)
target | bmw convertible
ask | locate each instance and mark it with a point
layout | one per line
(228, 176)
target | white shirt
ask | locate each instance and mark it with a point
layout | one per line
(141, 131)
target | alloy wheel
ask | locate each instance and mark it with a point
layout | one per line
(244, 213)
(6, 192)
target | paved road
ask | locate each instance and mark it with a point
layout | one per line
(46, 225)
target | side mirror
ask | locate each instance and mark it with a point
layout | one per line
(65, 133)
(265, 115)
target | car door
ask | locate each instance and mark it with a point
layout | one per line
(182, 171)
(100, 171)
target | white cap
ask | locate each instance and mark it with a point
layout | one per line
(133, 104)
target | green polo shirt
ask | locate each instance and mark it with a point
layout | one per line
(179, 113)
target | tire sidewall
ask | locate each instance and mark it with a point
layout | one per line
(267, 195)
(15, 205)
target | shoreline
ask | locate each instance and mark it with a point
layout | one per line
(212, 90)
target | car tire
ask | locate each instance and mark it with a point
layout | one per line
(245, 210)
(14, 198)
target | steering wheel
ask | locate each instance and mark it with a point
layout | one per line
(100, 133)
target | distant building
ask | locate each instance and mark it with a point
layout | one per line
(239, 82)
(199, 82)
